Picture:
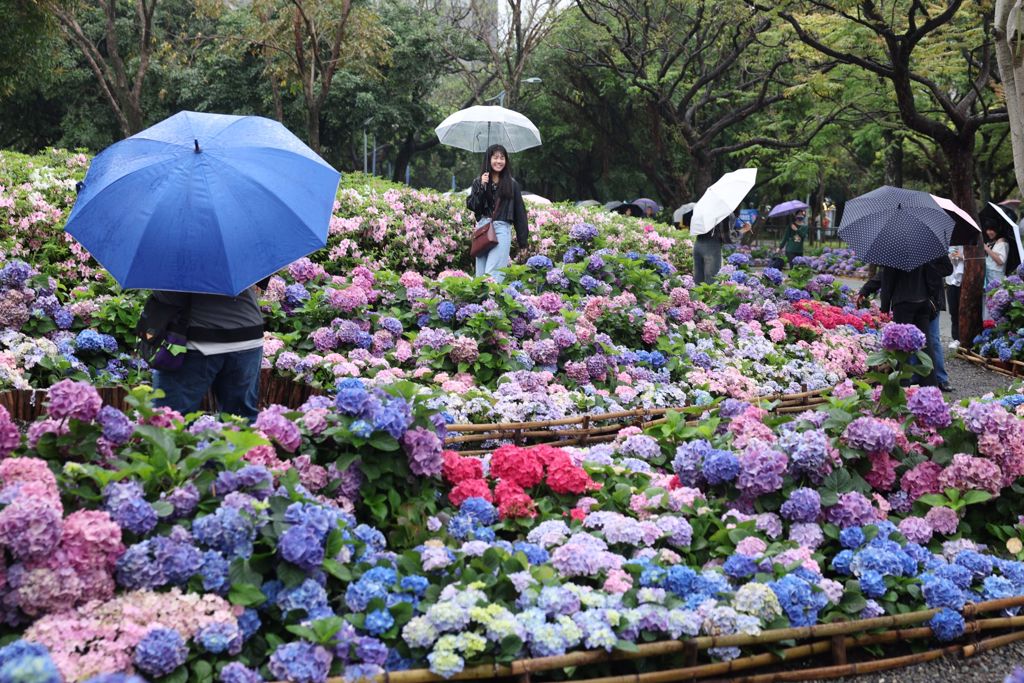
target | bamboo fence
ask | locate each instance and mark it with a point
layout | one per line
(28, 404)
(1010, 368)
(583, 430)
(836, 640)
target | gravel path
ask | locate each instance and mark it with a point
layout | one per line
(988, 667)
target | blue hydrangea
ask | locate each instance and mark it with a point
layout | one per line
(309, 597)
(351, 398)
(236, 672)
(539, 262)
(872, 584)
(979, 565)
(214, 572)
(446, 311)
(851, 537)
(680, 580)
(414, 584)
(720, 467)
(160, 652)
(479, 510)
(960, 576)
(947, 625)
(25, 662)
(302, 545)
(739, 566)
(249, 621)
(535, 554)
(220, 637)
(361, 429)
(798, 599)
(941, 593)
(378, 622)
(227, 530)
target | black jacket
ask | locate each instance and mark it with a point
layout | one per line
(211, 317)
(924, 283)
(482, 200)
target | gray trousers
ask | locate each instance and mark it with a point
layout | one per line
(707, 260)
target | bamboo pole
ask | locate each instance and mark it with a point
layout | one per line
(841, 671)
(845, 628)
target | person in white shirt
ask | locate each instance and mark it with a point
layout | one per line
(956, 255)
(997, 246)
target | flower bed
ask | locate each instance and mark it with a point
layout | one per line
(341, 539)
(1001, 336)
(600, 319)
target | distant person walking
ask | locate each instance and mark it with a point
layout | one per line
(953, 281)
(794, 236)
(496, 195)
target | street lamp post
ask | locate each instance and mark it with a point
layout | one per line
(501, 96)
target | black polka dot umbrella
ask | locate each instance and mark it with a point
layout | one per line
(895, 227)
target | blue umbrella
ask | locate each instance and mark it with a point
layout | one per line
(204, 203)
(894, 227)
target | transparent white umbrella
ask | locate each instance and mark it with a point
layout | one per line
(678, 214)
(721, 199)
(477, 128)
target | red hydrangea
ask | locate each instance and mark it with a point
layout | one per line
(520, 466)
(517, 505)
(551, 456)
(569, 479)
(457, 469)
(578, 514)
(470, 488)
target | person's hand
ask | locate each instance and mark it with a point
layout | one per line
(860, 301)
(485, 178)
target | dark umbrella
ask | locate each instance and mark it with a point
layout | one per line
(895, 227)
(634, 208)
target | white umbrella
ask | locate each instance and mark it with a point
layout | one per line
(479, 127)
(677, 215)
(1013, 228)
(531, 198)
(721, 199)
(950, 205)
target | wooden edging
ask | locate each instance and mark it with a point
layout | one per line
(836, 637)
(1010, 368)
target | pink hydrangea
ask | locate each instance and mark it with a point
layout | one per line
(967, 473)
(943, 520)
(922, 479)
(916, 530)
(30, 527)
(10, 437)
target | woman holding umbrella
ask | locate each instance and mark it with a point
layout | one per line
(496, 196)
(794, 237)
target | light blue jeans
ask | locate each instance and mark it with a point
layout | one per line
(935, 347)
(494, 260)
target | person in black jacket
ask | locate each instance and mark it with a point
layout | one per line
(912, 299)
(225, 351)
(496, 195)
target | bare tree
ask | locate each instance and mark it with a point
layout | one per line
(109, 55)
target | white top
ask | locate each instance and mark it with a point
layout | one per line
(956, 255)
(1002, 248)
(216, 348)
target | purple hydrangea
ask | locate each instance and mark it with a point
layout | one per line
(803, 505)
(901, 337)
(301, 662)
(761, 470)
(117, 428)
(870, 434)
(928, 406)
(423, 448)
(853, 509)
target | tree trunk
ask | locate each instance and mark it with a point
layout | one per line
(893, 159)
(403, 157)
(959, 155)
(313, 125)
(1011, 72)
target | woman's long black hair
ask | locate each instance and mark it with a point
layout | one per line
(506, 188)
